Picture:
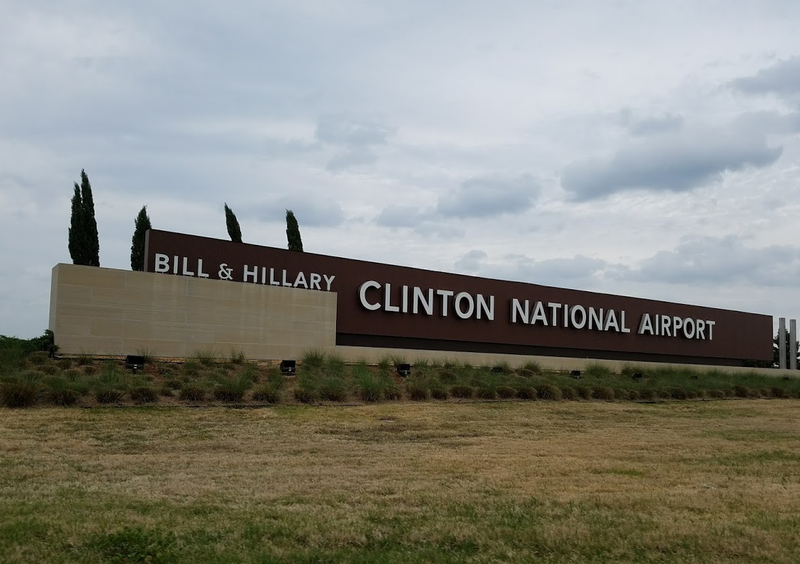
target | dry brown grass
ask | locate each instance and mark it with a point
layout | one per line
(683, 482)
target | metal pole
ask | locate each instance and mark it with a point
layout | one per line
(793, 344)
(782, 343)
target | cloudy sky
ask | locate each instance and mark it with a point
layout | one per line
(644, 148)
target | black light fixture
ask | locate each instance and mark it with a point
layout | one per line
(497, 369)
(576, 374)
(404, 369)
(134, 362)
(637, 376)
(288, 367)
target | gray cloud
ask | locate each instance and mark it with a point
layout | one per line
(355, 138)
(400, 216)
(472, 261)
(721, 260)
(676, 162)
(311, 211)
(782, 78)
(770, 122)
(489, 196)
(650, 125)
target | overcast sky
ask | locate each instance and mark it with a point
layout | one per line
(649, 149)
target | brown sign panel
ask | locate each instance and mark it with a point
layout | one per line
(393, 306)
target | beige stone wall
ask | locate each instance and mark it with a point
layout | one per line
(116, 312)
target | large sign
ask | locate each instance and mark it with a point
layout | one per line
(392, 306)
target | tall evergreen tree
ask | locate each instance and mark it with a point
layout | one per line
(84, 243)
(91, 238)
(141, 225)
(293, 232)
(76, 247)
(234, 232)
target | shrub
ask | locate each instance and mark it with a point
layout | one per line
(108, 395)
(549, 392)
(584, 392)
(236, 356)
(603, 393)
(165, 391)
(144, 394)
(447, 376)
(527, 393)
(88, 368)
(463, 392)
(249, 373)
(391, 391)
(58, 392)
(206, 357)
(192, 393)
(49, 369)
(38, 357)
(742, 391)
(778, 392)
(313, 359)
(232, 390)
(84, 359)
(569, 393)
(506, 392)
(174, 384)
(716, 394)
(72, 373)
(135, 544)
(371, 391)
(439, 393)
(267, 394)
(64, 363)
(333, 389)
(621, 393)
(147, 354)
(275, 379)
(305, 395)
(334, 365)
(384, 363)
(533, 367)
(597, 370)
(486, 393)
(647, 394)
(417, 392)
(19, 393)
(525, 373)
(62, 396)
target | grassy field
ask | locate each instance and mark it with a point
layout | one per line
(679, 481)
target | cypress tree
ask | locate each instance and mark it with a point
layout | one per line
(90, 236)
(76, 247)
(234, 232)
(293, 232)
(141, 225)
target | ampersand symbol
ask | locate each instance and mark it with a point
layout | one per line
(225, 273)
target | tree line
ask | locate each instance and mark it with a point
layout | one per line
(84, 241)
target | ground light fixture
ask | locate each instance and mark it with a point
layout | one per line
(576, 374)
(134, 362)
(288, 367)
(404, 369)
(637, 376)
